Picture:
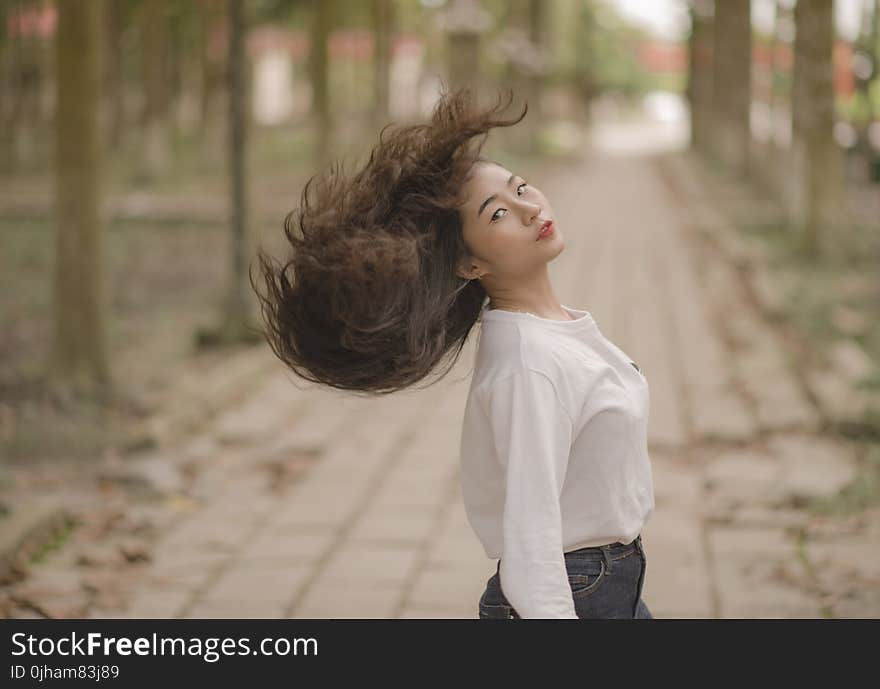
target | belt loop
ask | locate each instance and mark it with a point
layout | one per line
(607, 556)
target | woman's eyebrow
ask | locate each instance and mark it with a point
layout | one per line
(491, 198)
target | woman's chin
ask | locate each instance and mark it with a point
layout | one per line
(558, 245)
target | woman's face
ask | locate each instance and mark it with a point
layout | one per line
(501, 219)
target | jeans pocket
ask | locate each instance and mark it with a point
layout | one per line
(492, 609)
(586, 577)
(495, 611)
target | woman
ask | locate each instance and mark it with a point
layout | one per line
(390, 270)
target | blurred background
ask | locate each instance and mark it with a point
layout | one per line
(147, 147)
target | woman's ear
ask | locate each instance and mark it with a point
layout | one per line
(469, 272)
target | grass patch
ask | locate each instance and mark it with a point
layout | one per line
(59, 537)
(801, 550)
(861, 493)
(820, 289)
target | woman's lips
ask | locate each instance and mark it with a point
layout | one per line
(546, 232)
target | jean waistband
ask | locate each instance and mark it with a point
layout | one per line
(613, 549)
(610, 551)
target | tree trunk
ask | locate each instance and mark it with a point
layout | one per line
(187, 102)
(700, 70)
(383, 32)
(774, 163)
(585, 57)
(236, 308)
(156, 152)
(464, 59)
(46, 95)
(538, 34)
(78, 353)
(867, 46)
(732, 78)
(5, 90)
(115, 84)
(465, 22)
(775, 96)
(26, 65)
(319, 76)
(523, 23)
(212, 24)
(816, 161)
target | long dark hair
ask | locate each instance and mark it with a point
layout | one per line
(369, 299)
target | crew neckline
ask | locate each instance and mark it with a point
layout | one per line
(580, 318)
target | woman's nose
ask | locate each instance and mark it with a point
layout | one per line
(530, 211)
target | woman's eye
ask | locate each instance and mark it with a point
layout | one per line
(494, 215)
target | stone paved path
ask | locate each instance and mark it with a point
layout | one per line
(375, 526)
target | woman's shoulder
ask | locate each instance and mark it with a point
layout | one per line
(526, 351)
(556, 355)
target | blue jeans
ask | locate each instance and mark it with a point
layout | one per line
(606, 582)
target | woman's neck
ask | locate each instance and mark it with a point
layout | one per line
(553, 314)
(531, 293)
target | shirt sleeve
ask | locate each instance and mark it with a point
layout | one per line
(532, 432)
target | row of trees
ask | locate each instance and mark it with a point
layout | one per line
(70, 66)
(158, 58)
(163, 64)
(78, 358)
(807, 174)
(162, 70)
(110, 76)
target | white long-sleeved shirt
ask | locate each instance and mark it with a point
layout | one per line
(554, 452)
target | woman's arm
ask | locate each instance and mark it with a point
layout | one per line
(532, 432)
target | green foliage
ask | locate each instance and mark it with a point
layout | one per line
(410, 16)
(270, 11)
(859, 106)
(352, 14)
(610, 52)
